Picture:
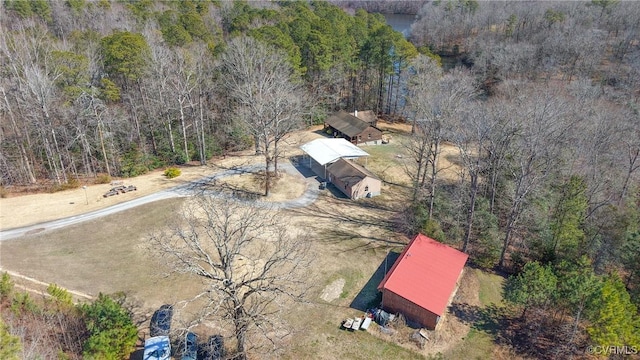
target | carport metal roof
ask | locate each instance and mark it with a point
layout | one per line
(325, 151)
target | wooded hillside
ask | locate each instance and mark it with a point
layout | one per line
(544, 108)
(121, 87)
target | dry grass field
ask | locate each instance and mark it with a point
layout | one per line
(350, 241)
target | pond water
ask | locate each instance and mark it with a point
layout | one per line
(401, 22)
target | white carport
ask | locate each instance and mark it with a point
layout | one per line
(323, 152)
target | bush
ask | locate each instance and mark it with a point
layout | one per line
(60, 295)
(72, 183)
(432, 229)
(179, 158)
(134, 162)
(486, 252)
(103, 179)
(22, 303)
(172, 172)
(3, 192)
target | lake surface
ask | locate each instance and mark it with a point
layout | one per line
(400, 22)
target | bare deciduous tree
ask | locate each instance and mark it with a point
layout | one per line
(435, 101)
(268, 99)
(249, 261)
(471, 137)
(542, 127)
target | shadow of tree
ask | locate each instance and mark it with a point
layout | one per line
(491, 319)
(369, 297)
(350, 214)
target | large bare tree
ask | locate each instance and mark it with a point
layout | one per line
(268, 99)
(471, 136)
(249, 262)
(542, 123)
(435, 101)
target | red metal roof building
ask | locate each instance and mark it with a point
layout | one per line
(422, 282)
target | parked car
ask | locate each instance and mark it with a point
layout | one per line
(129, 188)
(213, 349)
(111, 193)
(190, 351)
(157, 348)
(161, 321)
(119, 188)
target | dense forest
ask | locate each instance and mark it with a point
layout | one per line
(119, 88)
(542, 99)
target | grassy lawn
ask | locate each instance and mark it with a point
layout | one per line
(324, 339)
(388, 161)
(479, 344)
(490, 288)
(476, 345)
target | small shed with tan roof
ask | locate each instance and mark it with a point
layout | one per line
(353, 180)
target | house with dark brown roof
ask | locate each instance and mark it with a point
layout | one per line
(367, 116)
(355, 130)
(423, 281)
(353, 180)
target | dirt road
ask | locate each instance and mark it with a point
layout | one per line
(187, 189)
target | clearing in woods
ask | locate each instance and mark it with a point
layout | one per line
(350, 241)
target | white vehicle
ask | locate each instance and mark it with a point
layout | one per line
(157, 348)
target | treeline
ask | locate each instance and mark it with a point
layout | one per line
(121, 87)
(537, 41)
(543, 109)
(53, 327)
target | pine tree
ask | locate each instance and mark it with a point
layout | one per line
(614, 319)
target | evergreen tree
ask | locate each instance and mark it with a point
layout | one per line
(126, 55)
(112, 333)
(567, 220)
(533, 287)
(10, 346)
(614, 319)
(577, 286)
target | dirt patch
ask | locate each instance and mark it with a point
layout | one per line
(19, 210)
(23, 210)
(333, 290)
